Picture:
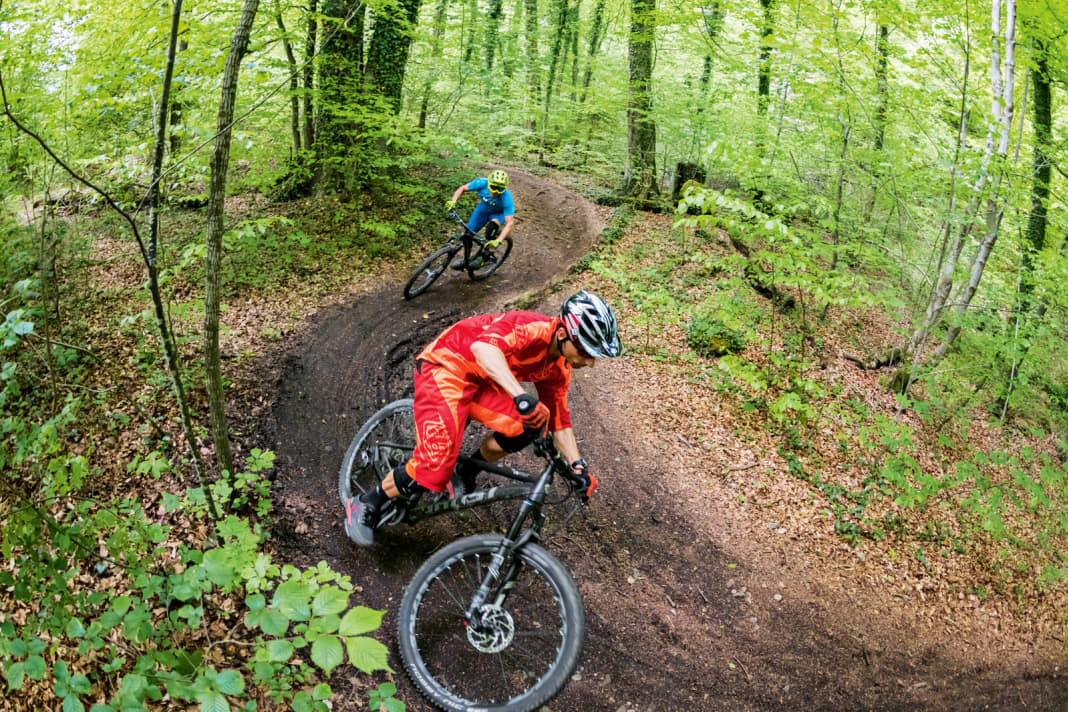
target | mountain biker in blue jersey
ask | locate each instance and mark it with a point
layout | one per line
(495, 210)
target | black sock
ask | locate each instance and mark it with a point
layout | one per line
(467, 469)
(376, 498)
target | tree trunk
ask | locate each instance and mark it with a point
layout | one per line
(294, 88)
(176, 111)
(387, 56)
(574, 25)
(595, 38)
(309, 76)
(1002, 109)
(471, 18)
(533, 79)
(639, 177)
(493, 30)
(767, 28)
(220, 160)
(1040, 170)
(559, 28)
(340, 62)
(436, 50)
(882, 50)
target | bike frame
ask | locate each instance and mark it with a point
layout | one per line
(469, 238)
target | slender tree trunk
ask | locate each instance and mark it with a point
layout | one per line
(471, 17)
(1040, 170)
(436, 50)
(533, 79)
(767, 29)
(574, 24)
(559, 28)
(493, 31)
(294, 87)
(1002, 109)
(882, 93)
(176, 111)
(309, 75)
(340, 62)
(594, 40)
(639, 177)
(220, 160)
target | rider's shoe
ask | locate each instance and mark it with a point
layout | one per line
(360, 521)
(477, 262)
(459, 264)
(469, 480)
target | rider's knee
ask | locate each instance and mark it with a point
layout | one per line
(406, 486)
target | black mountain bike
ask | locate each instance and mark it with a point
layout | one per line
(485, 261)
(489, 622)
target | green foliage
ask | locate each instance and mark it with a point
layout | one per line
(284, 609)
(709, 336)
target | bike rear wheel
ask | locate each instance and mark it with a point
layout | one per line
(431, 268)
(385, 441)
(527, 648)
(490, 260)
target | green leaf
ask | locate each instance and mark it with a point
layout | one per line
(212, 702)
(367, 654)
(327, 653)
(36, 668)
(71, 703)
(322, 691)
(279, 651)
(101, 708)
(256, 602)
(392, 704)
(75, 629)
(16, 674)
(302, 702)
(81, 685)
(360, 620)
(291, 598)
(270, 621)
(330, 600)
(230, 682)
(219, 566)
(387, 689)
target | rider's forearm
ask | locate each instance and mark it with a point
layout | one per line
(567, 444)
(509, 223)
(459, 191)
(491, 360)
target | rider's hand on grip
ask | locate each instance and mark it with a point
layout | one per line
(449, 205)
(532, 412)
(587, 482)
(492, 244)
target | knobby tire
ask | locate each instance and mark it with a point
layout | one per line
(548, 625)
(500, 254)
(428, 272)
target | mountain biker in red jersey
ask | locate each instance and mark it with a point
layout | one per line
(473, 370)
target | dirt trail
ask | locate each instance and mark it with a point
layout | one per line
(678, 618)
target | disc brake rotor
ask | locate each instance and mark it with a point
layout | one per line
(494, 633)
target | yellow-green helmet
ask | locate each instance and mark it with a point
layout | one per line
(498, 181)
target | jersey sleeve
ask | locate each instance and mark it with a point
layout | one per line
(478, 184)
(507, 203)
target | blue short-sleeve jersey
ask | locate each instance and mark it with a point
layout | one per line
(495, 204)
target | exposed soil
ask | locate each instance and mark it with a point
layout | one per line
(689, 604)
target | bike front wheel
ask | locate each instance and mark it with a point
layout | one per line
(385, 441)
(525, 648)
(431, 268)
(489, 261)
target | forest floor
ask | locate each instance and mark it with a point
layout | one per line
(697, 597)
